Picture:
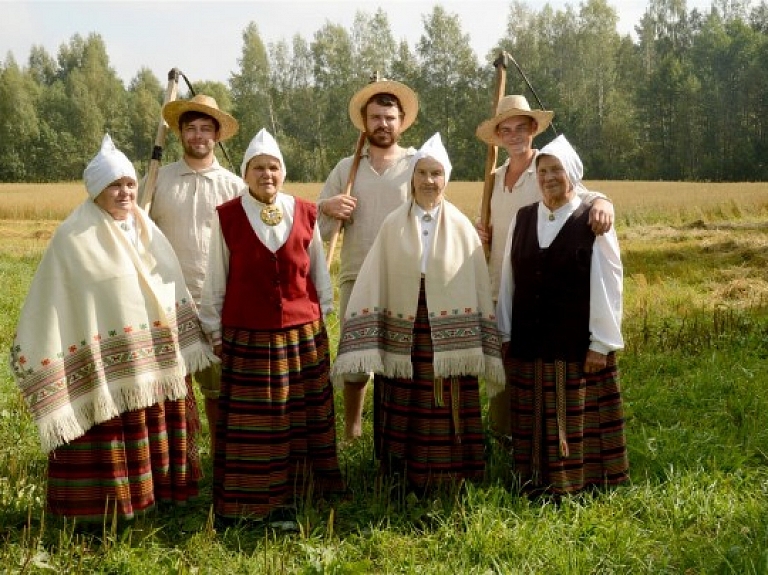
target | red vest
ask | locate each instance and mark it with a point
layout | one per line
(265, 290)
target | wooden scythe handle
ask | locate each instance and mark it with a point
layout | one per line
(348, 188)
(148, 191)
(347, 191)
(492, 155)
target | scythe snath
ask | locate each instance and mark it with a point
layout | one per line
(492, 154)
(148, 190)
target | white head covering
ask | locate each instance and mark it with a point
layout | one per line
(108, 165)
(561, 149)
(433, 148)
(262, 143)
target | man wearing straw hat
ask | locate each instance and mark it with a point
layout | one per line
(382, 110)
(513, 127)
(185, 200)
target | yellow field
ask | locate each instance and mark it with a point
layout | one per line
(632, 199)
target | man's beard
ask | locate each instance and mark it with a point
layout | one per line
(383, 139)
(194, 152)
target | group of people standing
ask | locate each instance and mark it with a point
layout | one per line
(224, 281)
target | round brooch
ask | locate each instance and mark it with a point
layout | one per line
(271, 215)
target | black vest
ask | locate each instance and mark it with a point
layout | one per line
(550, 306)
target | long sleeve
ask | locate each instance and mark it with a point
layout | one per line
(318, 270)
(506, 289)
(605, 300)
(215, 286)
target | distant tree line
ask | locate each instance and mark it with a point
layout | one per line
(686, 100)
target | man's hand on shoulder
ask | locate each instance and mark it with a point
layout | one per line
(601, 216)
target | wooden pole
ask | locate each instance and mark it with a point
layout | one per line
(148, 190)
(492, 155)
(348, 188)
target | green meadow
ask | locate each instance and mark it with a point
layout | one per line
(694, 376)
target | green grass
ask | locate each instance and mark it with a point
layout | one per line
(694, 378)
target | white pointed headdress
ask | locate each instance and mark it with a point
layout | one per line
(561, 149)
(433, 148)
(108, 165)
(262, 143)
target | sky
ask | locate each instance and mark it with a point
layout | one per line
(204, 38)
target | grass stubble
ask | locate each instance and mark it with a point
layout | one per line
(693, 374)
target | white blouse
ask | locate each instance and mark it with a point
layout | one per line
(273, 237)
(606, 280)
(427, 224)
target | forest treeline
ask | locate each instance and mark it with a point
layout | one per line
(686, 99)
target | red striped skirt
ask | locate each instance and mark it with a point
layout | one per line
(429, 430)
(126, 465)
(567, 430)
(276, 432)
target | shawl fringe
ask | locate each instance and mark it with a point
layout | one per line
(198, 357)
(64, 426)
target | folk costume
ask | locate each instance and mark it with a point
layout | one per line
(505, 203)
(421, 316)
(264, 299)
(106, 335)
(561, 295)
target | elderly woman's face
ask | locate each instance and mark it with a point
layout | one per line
(118, 199)
(553, 180)
(264, 176)
(428, 182)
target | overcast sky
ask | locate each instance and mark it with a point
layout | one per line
(204, 39)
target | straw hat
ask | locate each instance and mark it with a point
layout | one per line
(172, 111)
(409, 102)
(509, 107)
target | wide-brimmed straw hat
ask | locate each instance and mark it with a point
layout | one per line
(409, 102)
(509, 107)
(172, 111)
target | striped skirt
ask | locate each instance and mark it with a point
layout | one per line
(429, 430)
(567, 426)
(276, 432)
(126, 465)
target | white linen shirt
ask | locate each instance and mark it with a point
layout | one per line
(273, 237)
(183, 207)
(606, 280)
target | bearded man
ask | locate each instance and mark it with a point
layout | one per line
(383, 110)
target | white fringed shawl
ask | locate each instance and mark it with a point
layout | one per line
(378, 325)
(106, 328)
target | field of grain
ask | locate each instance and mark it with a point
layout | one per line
(636, 202)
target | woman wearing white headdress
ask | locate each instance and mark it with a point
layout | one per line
(559, 312)
(421, 315)
(106, 335)
(266, 292)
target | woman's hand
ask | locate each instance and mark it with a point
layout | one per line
(595, 362)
